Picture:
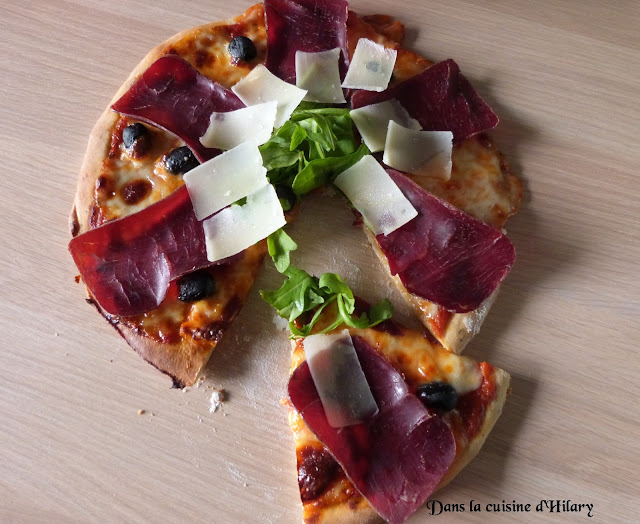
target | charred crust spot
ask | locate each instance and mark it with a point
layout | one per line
(112, 319)
(316, 469)
(203, 58)
(214, 330)
(135, 191)
(171, 337)
(176, 383)
(74, 224)
(102, 182)
(140, 147)
(399, 361)
(104, 187)
(171, 51)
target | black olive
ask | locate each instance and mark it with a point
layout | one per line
(137, 140)
(242, 48)
(196, 286)
(133, 132)
(287, 197)
(180, 161)
(438, 395)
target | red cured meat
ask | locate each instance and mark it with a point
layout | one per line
(444, 255)
(127, 264)
(303, 25)
(397, 458)
(173, 95)
(440, 98)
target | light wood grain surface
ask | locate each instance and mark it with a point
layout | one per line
(563, 76)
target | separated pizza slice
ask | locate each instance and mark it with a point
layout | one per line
(435, 410)
(480, 181)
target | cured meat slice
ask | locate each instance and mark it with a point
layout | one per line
(440, 98)
(127, 264)
(396, 458)
(173, 95)
(304, 25)
(444, 255)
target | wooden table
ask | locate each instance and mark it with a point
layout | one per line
(564, 78)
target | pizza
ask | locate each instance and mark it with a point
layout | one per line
(465, 398)
(204, 155)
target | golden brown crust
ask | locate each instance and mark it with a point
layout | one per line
(493, 412)
(164, 356)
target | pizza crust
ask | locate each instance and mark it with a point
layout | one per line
(493, 412)
(170, 359)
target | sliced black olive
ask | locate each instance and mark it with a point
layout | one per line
(287, 197)
(438, 395)
(180, 161)
(133, 132)
(196, 286)
(242, 48)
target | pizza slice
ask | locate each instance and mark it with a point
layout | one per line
(435, 411)
(480, 182)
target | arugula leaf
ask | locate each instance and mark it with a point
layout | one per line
(315, 145)
(320, 172)
(298, 294)
(277, 155)
(280, 246)
(304, 111)
(298, 136)
(240, 202)
(302, 293)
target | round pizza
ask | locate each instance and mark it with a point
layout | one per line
(202, 158)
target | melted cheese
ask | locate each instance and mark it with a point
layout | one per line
(372, 192)
(371, 66)
(230, 129)
(261, 85)
(319, 75)
(238, 227)
(422, 153)
(373, 122)
(225, 179)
